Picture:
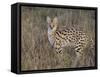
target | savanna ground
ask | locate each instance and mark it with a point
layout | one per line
(36, 51)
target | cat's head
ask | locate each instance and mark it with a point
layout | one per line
(52, 23)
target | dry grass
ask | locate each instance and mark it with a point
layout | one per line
(37, 52)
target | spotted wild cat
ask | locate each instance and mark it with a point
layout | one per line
(66, 37)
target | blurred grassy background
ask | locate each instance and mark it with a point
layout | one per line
(36, 51)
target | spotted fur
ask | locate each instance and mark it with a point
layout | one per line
(66, 37)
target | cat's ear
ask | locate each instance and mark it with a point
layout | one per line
(55, 21)
(48, 20)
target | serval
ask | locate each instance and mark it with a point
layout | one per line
(66, 37)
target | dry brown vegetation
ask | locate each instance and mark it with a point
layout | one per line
(37, 52)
